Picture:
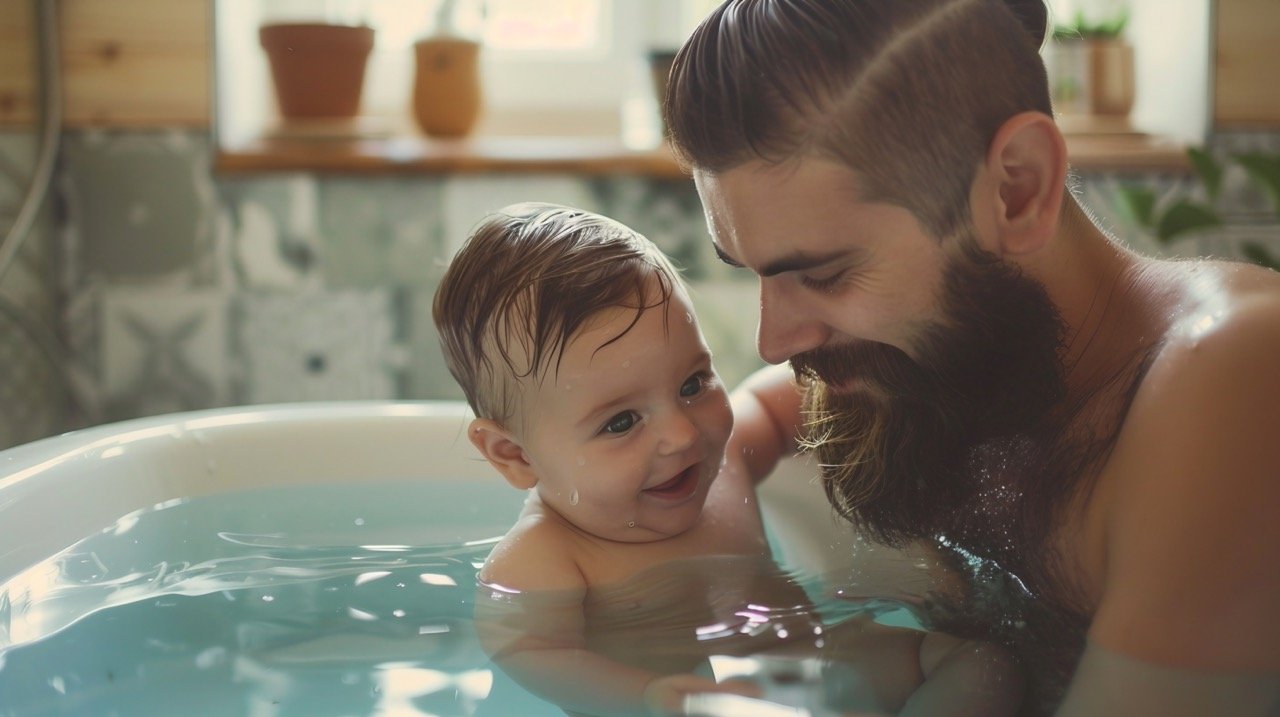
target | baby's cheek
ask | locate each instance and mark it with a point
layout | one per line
(721, 418)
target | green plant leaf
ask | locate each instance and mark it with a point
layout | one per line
(1082, 28)
(1264, 169)
(1208, 169)
(1255, 253)
(1182, 217)
(1137, 204)
(1113, 27)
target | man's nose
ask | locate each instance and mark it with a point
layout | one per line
(678, 433)
(787, 327)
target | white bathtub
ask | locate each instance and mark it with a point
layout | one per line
(59, 490)
(56, 492)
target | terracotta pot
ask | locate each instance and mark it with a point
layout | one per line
(446, 86)
(317, 69)
(1112, 81)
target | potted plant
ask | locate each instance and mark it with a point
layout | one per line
(317, 59)
(447, 96)
(1174, 216)
(1091, 69)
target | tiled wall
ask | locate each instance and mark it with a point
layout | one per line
(182, 290)
(189, 291)
(32, 381)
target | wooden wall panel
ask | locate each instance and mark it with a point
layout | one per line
(1247, 49)
(125, 63)
(137, 62)
(17, 63)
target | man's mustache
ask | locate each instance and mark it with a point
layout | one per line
(886, 367)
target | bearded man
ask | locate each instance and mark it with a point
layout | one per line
(1088, 431)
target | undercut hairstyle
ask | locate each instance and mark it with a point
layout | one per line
(908, 93)
(526, 281)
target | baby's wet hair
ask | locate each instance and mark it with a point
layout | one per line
(525, 283)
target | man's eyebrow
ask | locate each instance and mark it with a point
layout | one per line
(799, 261)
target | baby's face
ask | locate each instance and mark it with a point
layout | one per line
(626, 438)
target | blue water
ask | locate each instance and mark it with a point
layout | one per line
(316, 601)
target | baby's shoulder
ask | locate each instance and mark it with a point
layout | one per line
(537, 553)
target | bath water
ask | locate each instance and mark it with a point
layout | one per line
(315, 601)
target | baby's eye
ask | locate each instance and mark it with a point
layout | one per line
(693, 386)
(622, 422)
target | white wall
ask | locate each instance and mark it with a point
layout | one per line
(1173, 66)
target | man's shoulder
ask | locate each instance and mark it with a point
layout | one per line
(1196, 474)
(1224, 328)
(1213, 386)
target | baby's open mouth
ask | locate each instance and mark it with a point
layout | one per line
(682, 485)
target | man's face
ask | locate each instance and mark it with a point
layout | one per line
(918, 352)
(833, 269)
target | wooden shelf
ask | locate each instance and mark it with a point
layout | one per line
(571, 155)
(590, 156)
(1126, 153)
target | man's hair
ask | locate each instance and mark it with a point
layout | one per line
(525, 282)
(908, 93)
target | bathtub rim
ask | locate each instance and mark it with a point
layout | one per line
(792, 500)
(116, 468)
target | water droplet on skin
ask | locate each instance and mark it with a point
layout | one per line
(582, 461)
(631, 524)
(573, 497)
(626, 364)
(688, 315)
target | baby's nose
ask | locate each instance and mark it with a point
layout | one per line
(678, 433)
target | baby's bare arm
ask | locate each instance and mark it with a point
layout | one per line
(965, 677)
(766, 415)
(883, 670)
(538, 641)
(530, 618)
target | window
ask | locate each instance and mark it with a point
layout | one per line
(559, 26)
(548, 66)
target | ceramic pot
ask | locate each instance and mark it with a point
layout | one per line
(1092, 77)
(446, 86)
(317, 69)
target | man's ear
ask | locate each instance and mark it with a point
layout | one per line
(503, 452)
(1026, 171)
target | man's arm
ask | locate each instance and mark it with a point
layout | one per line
(1188, 622)
(766, 419)
(1107, 683)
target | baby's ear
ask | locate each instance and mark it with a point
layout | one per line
(503, 452)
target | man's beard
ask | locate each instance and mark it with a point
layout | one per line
(896, 446)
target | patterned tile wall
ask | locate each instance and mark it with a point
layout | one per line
(184, 290)
(34, 383)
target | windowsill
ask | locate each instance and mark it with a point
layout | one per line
(475, 155)
(1126, 153)
(589, 156)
